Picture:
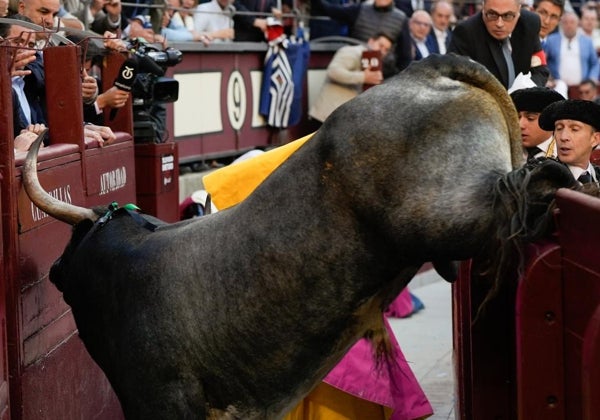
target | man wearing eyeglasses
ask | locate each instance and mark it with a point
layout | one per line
(549, 12)
(505, 39)
(411, 45)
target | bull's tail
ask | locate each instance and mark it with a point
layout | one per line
(468, 71)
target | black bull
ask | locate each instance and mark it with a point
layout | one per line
(241, 313)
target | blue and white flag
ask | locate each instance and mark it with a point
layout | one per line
(283, 76)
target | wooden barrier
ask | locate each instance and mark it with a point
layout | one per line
(9, 227)
(48, 363)
(157, 175)
(550, 368)
(4, 387)
(51, 374)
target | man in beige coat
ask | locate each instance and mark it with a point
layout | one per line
(346, 76)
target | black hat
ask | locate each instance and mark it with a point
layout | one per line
(587, 112)
(535, 99)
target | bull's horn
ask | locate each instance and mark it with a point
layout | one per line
(60, 210)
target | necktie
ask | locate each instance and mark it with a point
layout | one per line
(585, 178)
(506, 50)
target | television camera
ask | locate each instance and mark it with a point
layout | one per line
(151, 90)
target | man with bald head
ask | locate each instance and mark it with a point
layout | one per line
(438, 39)
(411, 45)
(505, 39)
(41, 12)
(45, 13)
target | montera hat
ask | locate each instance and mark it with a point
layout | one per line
(587, 112)
(535, 99)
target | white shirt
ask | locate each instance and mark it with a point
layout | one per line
(577, 171)
(570, 61)
(214, 20)
(544, 146)
(422, 48)
(441, 36)
(18, 84)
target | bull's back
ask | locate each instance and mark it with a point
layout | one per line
(447, 133)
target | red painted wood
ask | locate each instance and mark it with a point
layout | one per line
(591, 368)
(4, 387)
(51, 374)
(157, 179)
(578, 232)
(8, 288)
(461, 319)
(50, 361)
(539, 336)
(110, 173)
(65, 110)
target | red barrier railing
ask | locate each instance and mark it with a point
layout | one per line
(536, 352)
(51, 373)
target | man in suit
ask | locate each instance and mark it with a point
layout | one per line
(549, 12)
(571, 55)
(438, 39)
(499, 34)
(530, 103)
(411, 45)
(576, 126)
(346, 76)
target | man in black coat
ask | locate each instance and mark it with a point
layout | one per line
(502, 26)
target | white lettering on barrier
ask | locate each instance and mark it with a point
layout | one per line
(167, 162)
(113, 180)
(62, 193)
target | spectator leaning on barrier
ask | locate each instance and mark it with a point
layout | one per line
(253, 27)
(29, 97)
(503, 38)
(214, 19)
(25, 129)
(175, 29)
(186, 13)
(27, 78)
(346, 76)
(576, 126)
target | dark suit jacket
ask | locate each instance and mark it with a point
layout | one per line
(35, 92)
(472, 39)
(432, 42)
